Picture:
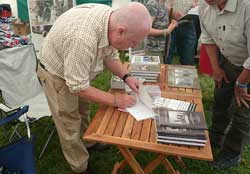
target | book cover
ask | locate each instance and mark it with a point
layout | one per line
(181, 119)
(183, 76)
(145, 68)
(178, 132)
(173, 104)
(145, 60)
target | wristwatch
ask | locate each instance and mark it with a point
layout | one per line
(126, 76)
(241, 85)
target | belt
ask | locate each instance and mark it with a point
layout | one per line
(43, 66)
(184, 21)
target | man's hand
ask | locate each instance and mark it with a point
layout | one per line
(171, 27)
(177, 14)
(218, 76)
(123, 101)
(241, 95)
(133, 84)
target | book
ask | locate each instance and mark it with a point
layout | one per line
(181, 119)
(183, 76)
(145, 68)
(145, 60)
(188, 139)
(179, 142)
(173, 104)
(117, 83)
(180, 132)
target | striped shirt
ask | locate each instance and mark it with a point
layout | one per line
(77, 45)
(229, 29)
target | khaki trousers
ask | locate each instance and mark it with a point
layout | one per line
(70, 115)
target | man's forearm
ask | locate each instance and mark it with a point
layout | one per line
(212, 52)
(116, 67)
(244, 77)
(96, 95)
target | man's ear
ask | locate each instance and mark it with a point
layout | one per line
(121, 31)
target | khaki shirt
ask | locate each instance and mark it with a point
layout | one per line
(229, 29)
(77, 45)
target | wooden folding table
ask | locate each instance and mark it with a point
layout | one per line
(130, 136)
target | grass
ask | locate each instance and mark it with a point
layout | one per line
(53, 161)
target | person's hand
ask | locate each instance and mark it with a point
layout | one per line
(218, 76)
(170, 28)
(241, 95)
(178, 14)
(124, 100)
(133, 83)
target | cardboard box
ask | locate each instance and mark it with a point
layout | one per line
(21, 28)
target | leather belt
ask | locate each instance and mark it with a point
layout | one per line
(184, 21)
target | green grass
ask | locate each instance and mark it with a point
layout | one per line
(53, 161)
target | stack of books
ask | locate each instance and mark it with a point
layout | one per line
(183, 76)
(181, 127)
(117, 83)
(145, 67)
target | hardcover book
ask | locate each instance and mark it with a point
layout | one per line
(183, 76)
(145, 60)
(181, 119)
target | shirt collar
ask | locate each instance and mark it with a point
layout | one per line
(230, 6)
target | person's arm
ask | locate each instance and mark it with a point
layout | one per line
(117, 100)
(218, 73)
(242, 87)
(163, 32)
(117, 68)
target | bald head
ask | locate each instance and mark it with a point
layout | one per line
(129, 25)
(134, 16)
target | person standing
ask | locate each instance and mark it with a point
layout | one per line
(225, 28)
(156, 39)
(183, 38)
(80, 43)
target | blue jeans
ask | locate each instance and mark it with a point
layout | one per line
(183, 38)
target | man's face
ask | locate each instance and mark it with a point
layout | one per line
(127, 40)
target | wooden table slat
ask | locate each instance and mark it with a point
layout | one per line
(112, 123)
(136, 132)
(128, 127)
(120, 124)
(146, 128)
(105, 120)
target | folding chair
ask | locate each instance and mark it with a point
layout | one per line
(18, 157)
(20, 86)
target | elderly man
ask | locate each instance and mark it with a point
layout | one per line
(80, 42)
(225, 28)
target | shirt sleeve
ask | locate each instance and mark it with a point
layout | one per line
(205, 37)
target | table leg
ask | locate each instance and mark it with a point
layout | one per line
(153, 164)
(131, 160)
(169, 166)
(179, 161)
